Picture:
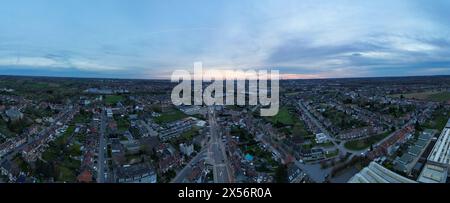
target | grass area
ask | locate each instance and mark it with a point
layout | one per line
(185, 137)
(4, 129)
(292, 93)
(365, 143)
(332, 153)
(440, 97)
(299, 129)
(82, 117)
(283, 117)
(123, 123)
(34, 112)
(438, 119)
(326, 144)
(65, 174)
(170, 116)
(113, 99)
(437, 96)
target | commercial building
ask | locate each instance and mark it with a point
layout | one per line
(433, 174)
(375, 173)
(438, 163)
(440, 155)
(321, 138)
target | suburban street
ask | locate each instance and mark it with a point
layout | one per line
(183, 173)
(62, 118)
(342, 149)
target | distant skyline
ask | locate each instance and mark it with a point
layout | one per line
(147, 39)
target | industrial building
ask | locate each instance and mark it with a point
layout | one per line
(375, 173)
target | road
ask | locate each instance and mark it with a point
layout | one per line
(185, 172)
(213, 152)
(216, 151)
(342, 149)
(101, 169)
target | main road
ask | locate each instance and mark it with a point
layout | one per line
(216, 151)
(213, 152)
(101, 169)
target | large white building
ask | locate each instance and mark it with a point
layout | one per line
(375, 173)
(438, 163)
(440, 154)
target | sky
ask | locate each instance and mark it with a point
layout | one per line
(149, 39)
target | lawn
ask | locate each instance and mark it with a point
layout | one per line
(283, 117)
(82, 118)
(113, 99)
(440, 97)
(332, 153)
(365, 143)
(428, 95)
(299, 129)
(170, 116)
(66, 174)
(122, 123)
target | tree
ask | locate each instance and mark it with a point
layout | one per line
(281, 174)
(417, 126)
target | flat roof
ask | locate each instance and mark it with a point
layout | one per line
(425, 136)
(415, 150)
(441, 150)
(433, 174)
(406, 158)
(421, 143)
(375, 173)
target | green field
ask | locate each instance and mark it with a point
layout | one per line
(332, 153)
(436, 96)
(440, 97)
(170, 116)
(122, 123)
(113, 99)
(283, 117)
(365, 143)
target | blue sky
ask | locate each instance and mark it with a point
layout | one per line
(150, 39)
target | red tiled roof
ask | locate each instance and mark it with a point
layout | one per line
(85, 177)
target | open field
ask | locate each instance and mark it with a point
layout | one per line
(436, 96)
(170, 116)
(113, 99)
(284, 117)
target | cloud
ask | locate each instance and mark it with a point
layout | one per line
(307, 38)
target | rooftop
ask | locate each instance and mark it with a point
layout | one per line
(441, 150)
(375, 173)
(433, 174)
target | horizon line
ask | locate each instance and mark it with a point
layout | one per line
(168, 79)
